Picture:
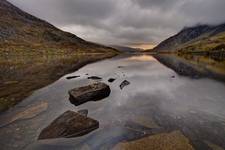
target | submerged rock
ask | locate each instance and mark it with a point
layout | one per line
(94, 78)
(146, 121)
(93, 92)
(124, 83)
(69, 124)
(165, 141)
(120, 66)
(72, 77)
(111, 80)
(28, 113)
(83, 112)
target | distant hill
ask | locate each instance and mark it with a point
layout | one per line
(23, 33)
(126, 49)
(197, 38)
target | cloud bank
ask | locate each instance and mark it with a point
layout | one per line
(125, 22)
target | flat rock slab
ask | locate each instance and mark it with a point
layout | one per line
(27, 113)
(69, 124)
(93, 92)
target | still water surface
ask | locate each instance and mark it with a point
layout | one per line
(158, 100)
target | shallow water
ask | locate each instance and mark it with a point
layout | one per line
(157, 100)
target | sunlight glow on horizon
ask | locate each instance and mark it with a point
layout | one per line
(142, 58)
(143, 46)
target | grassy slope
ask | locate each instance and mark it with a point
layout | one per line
(22, 33)
(204, 43)
(194, 39)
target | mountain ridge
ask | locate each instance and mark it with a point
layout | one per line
(193, 38)
(21, 32)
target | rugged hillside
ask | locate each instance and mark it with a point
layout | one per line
(21, 32)
(26, 47)
(198, 38)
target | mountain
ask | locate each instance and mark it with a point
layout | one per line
(197, 38)
(124, 49)
(23, 33)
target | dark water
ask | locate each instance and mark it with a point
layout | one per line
(157, 100)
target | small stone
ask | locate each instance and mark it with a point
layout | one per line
(94, 78)
(124, 83)
(72, 77)
(111, 80)
(120, 66)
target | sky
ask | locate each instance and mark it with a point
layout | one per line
(134, 23)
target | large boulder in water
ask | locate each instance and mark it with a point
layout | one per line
(69, 124)
(93, 92)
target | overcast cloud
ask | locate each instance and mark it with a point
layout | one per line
(125, 22)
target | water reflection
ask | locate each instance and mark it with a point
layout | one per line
(195, 66)
(141, 58)
(153, 103)
(21, 75)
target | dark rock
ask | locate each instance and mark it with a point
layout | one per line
(83, 112)
(94, 78)
(69, 124)
(93, 92)
(124, 83)
(72, 77)
(111, 80)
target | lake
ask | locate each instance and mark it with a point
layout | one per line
(166, 93)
